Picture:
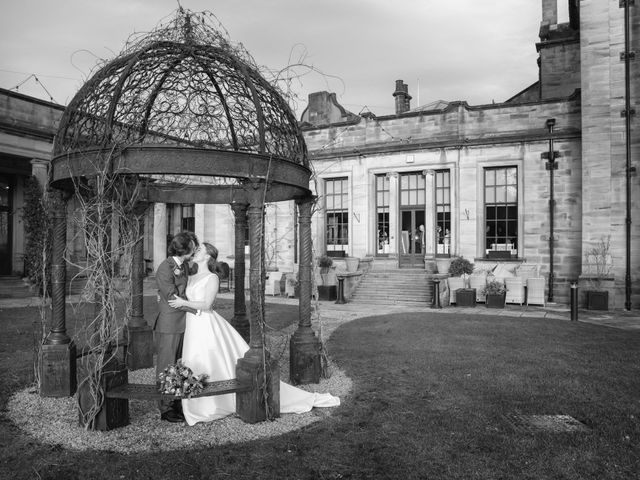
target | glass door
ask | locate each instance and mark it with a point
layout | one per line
(411, 225)
(412, 238)
(6, 224)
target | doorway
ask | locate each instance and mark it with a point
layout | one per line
(6, 224)
(411, 238)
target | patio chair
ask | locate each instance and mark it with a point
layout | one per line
(526, 271)
(535, 291)
(454, 284)
(515, 290)
(478, 282)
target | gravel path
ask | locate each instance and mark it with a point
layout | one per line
(55, 420)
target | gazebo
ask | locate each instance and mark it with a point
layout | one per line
(182, 116)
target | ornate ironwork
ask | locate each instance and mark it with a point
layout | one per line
(186, 85)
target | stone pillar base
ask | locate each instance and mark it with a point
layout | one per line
(58, 370)
(250, 406)
(140, 348)
(304, 358)
(114, 412)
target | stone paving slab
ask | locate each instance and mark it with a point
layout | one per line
(626, 320)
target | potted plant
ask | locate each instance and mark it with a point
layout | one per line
(598, 261)
(325, 263)
(326, 291)
(460, 266)
(495, 293)
(352, 263)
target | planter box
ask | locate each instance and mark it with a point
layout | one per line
(597, 300)
(466, 297)
(328, 292)
(499, 254)
(495, 301)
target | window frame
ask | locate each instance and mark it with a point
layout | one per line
(447, 220)
(516, 232)
(384, 209)
(342, 225)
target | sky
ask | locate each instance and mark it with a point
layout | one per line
(479, 51)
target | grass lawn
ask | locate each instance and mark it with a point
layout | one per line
(434, 397)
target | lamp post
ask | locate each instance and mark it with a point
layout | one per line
(551, 165)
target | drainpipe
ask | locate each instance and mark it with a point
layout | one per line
(627, 113)
(551, 165)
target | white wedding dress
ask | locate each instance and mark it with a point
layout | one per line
(212, 346)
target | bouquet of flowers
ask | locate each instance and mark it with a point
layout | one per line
(179, 380)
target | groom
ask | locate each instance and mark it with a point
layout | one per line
(171, 278)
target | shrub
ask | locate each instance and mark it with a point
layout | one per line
(598, 260)
(494, 287)
(325, 263)
(37, 230)
(459, 266)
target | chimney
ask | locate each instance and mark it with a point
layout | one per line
(549, 18)
(402, 97)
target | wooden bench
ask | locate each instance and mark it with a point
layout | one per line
(143, 391)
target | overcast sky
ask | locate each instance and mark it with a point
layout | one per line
(474, 50)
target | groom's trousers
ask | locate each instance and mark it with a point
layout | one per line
(169, 348)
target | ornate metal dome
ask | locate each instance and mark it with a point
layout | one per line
(182, 101)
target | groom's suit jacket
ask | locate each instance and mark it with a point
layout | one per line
(171, 280)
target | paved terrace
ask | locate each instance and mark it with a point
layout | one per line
(12, 296)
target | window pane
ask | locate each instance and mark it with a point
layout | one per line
(491, 195)
(501, 194)
(512, 194)
(421, 181)
(412, 182)
(490, 177)
(439, 196)
(404, 197)
(328, 187)
(404, 182)
(420, 197)
(501, 177)
(512, 176)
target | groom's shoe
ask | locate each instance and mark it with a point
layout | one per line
(173, 417)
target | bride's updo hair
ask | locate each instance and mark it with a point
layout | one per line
(212, 251)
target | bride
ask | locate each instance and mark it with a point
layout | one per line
(212, 346)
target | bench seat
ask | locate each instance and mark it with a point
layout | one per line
(143, 391)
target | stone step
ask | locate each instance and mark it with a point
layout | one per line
(407, 287)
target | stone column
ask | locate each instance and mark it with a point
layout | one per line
(256, 368)
(140, 350)
(240, 321)
(304, 347)
(39, 169)
(393, 213)
(429, 221)
(159, 234)
(58, 353)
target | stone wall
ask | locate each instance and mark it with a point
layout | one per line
(604, 139)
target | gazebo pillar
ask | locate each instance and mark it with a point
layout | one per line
(58, 353)
(239, 321)
(304, 347)
(140, 349)
(257, 368)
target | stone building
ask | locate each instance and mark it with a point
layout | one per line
(449, 178)
(541, 178)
